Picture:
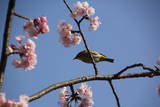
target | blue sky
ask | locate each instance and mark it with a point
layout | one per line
(129, 33)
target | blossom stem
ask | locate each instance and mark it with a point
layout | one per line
(6, 38)
(20, 16)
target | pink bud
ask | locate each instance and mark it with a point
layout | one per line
(44, 28)
(37, 20)
(43, 19)
(20, 38)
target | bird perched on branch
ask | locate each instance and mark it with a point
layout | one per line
(98, 57)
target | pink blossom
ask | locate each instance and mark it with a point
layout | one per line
(84, 90)
(86, 93)
(66, 41)
(158, 61)
(10, 103)
(74, 14)
(82, 9)
(64, 28)
(20, 38)
(95, 23)
(28, 56)
(44, 28)
(37, 20)
(86, 102)
(36, 26)
(30, 29)
(76, 40)
(65, 31)
(44, 19)
(63, 98)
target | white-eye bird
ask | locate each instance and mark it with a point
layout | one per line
(98, 57)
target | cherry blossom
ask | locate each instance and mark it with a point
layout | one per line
(95, 23)
(36, 26)
(83, 95)
(63, 98)
(82, 9)
(23, 101)
(28, 57)
(65, 31)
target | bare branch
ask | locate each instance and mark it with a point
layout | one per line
(114, 92)
(6, 37)
(20, 16)
(90, 78)
(133, 66)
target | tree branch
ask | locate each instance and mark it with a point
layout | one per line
(20, 16)
(6, 37)
(90, 78)
(114, 92)
(133, 66)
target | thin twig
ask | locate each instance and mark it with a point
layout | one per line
(133, 66)
(90, 78)
(83, 38)
(114, 92)
(72, 89)
(13, 53)
(20, 16)
(82, 19)
(6, 37)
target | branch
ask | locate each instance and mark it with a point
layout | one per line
(114, 92)
(6, 37)
(90, 78)
(83, 38)
(133, 66)
(20, 16)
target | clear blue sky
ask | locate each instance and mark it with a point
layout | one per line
(130, 33)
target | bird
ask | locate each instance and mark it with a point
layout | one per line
(98, 57)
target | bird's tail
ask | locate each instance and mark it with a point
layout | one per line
(108, 60)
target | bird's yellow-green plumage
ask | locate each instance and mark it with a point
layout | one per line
(98, 57)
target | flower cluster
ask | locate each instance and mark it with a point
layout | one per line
(28, 57)
(83, 94)
(95, 23)
(65, 31)
(86, 92)
(63, 97)
(36, 26)
(82, 9)
(23, 101)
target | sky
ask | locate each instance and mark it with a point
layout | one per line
(129, 33)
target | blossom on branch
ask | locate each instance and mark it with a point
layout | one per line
(36, 26)
(23, 101)
(83, 95)
(82, 9)
(65, 31)
(28, 57)
(95, 23)
(63, 98)
(86, 93)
